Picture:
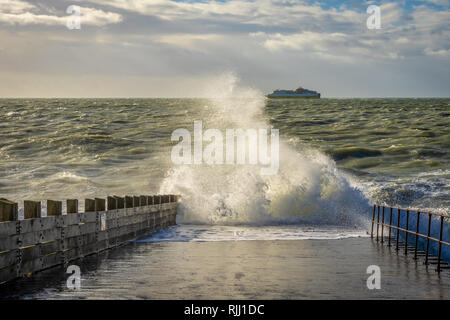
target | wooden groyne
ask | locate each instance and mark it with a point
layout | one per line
(37, 243)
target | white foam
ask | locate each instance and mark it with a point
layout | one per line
(207, 233)
(307, 189)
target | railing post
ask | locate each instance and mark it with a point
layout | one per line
(373, 220)
(398, 226)
(417, 235)
(382, 227)
(428, 238)
(390, 228)
(440, 245)
(406, 232)
(378, 219)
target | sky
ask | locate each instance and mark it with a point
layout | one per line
(164, 48)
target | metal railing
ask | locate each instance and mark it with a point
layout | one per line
(408, 213)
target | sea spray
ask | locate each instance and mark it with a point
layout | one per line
(307, 189)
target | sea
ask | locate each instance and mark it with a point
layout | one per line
(337, 157)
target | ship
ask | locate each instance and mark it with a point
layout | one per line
(299, 93)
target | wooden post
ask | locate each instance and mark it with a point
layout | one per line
(54, 208)
(31, 209)
(128, 202)
(120, 202)
(143, 201)
(8, 210)
(150, 200)
(112, 203)
(100, 204)
(89, 205)
(382, 227)
(135, 201)
(72, 206)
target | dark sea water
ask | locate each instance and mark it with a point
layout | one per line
(396, 151)
(337, 158)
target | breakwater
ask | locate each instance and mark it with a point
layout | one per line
(38, 242)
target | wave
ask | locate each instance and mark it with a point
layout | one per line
(308, 188)
(353, 152)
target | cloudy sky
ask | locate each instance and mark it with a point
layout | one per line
(164, 48)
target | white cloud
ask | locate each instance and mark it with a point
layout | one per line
(265, 40)
(14, 6)
(443, 53)
(17, 12)
(440, 2)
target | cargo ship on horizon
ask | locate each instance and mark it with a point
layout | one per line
(299, 93)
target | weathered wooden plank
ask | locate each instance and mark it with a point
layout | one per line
(143, 200)
(32, 209)
(8, 258)
(120, 202)
(7, 274)
(8, 228)
(31, 266)
(32, 238)
(89, 217)
(9, 243)
(8, 210)
(88, 228)
(128, 202)
(72, 231)
(37, 224)
(50, 247)
(111, 223)
(41, 246)
(52, 260)
(72, 206)
(73, 253)
(71, 219)
(89, 205)
(112, 203)
(100, 204)
(54, 208)
(30, 253)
